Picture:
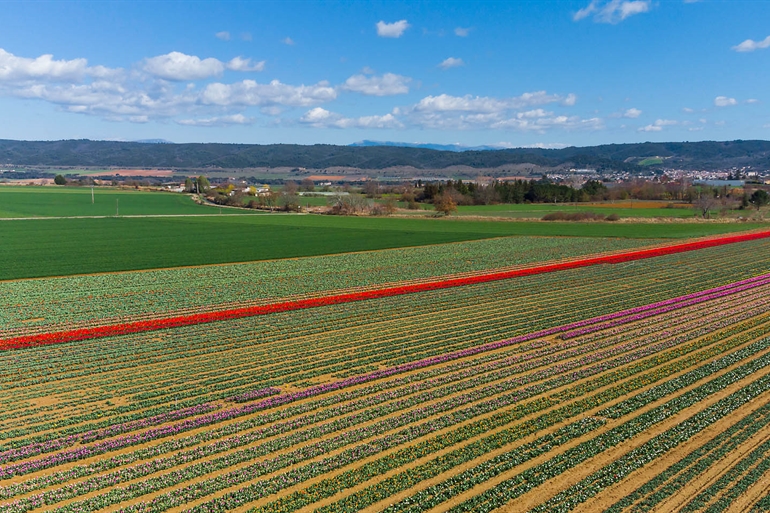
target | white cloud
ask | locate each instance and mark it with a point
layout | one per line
(251, 93)
(235, 119)
(750, 45)
(224, 35)
(569, 100)
(451, 62)
(517, 113)
(179, 66)
(752, 100)
(687, 110)
(246, 36)
(658, 125)
(612, 11)
(486, 104)
(535, 113)
(13, 68)
(724, 101)
(152, 91)
(543, 124)
(395, 29)
(322, 118)
(288, 41)
(462, 32)
(386, 85)
(241, 64)
(632, 113)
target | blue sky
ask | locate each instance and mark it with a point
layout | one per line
(517, 73)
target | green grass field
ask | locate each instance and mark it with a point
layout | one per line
(651, 161)
(51, 247)
(18, 201)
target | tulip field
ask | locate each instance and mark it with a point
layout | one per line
(534, 374)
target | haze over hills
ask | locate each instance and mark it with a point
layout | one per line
(618, 157)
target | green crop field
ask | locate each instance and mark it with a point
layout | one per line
(49, 247)
(76, 201)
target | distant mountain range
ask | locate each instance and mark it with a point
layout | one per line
(429, 146)
(153, 141)
(369, 155)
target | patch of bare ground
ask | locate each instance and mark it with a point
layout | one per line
(613, 494)
(751, 496)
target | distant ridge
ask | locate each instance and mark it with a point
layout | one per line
(429, 146)
(153, 141)
(609, 157)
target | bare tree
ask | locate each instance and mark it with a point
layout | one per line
(307, 185)
(290, 188)
(705, 204)
(371, 189)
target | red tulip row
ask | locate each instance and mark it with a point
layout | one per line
(300, 304)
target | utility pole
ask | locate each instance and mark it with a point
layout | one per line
(116, 207)
(92, 195)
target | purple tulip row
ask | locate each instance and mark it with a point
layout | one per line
(638, 309)
(68, 441)
(685, 302)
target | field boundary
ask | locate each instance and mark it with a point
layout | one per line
(74, 335)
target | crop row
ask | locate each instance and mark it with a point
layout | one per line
(636, 458)
(678, 475)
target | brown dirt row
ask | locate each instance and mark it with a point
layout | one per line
(710, 477)
(551, 488)
(616, 492)
(751, 496)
